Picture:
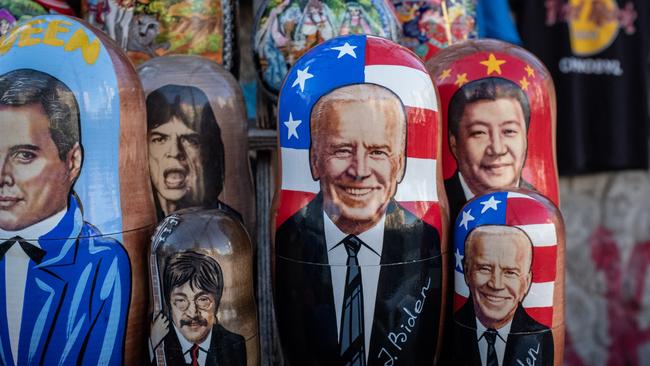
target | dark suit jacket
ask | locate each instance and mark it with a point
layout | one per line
(527, 339)
(409, 283)
(226, 348)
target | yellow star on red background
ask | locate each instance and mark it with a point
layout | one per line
(493, 64)
(461, 79)
(530, 71)
(445, 74)
(524, 83)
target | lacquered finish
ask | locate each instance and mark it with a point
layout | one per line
(147, 29)
(71, 145)
(285, 30)
(358, 153)
(509, 269)
(202, 286)
(528, 159)
(197, 136)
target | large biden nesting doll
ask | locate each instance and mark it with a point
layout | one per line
(358, 228)
(509, 250)
(75, 200)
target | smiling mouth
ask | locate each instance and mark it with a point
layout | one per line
(356, 191)
(175, 178)
(495, 167)
(494, 298)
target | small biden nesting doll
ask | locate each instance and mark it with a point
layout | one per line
(509, 290)
(202, 284)
(75, 200)
(196, 136)
(358, 228)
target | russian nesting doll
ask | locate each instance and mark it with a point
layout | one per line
(197, 136)
(509, 250)
(498, 112)
(285, 30)
(359, 232)
(75, 200)
(202, 284)
(147, 29)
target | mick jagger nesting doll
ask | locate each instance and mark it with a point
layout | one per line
(509, 281)
(202, 285)
(196, 135)
(358, 228)
(75, 200)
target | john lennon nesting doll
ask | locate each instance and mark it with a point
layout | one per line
(75, 206)
(196, 127)
(358, 227)
(509, 288)
(202, 282)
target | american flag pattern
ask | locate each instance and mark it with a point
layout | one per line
(351, 60)
(531, 216)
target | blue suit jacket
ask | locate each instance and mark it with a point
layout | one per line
(76, 299)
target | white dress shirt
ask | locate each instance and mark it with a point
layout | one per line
(499, 343)
(369, 262)
(186, 347)
(16, 266)
(468, 192)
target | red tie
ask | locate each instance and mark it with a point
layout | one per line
(195, 355)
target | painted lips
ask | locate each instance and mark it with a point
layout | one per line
(8, 201)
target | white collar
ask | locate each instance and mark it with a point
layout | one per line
(187, 345)
(502, 332)
(373, 237)
(36, 230)
(468, 192)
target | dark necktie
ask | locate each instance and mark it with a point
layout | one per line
(194, 352)
(352, 340)
(491, 337)
(35, 253)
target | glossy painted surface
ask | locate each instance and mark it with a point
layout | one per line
(211, 251)
(494, 156)
(285, 30)
(428, 26)
(147, 29)
(80, 98)
(358, 153)
(198, 147)
(509, 276)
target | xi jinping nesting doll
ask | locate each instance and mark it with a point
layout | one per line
(75, 204)
(358, 228)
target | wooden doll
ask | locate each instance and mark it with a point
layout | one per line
(75, 199)
(202, 285)
(196, 126)
(147, 29)
(509, 290)
(498, 112)
(358, 229)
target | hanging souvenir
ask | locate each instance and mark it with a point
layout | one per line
(428, 26)
(75, 198)
(284, 30)
(509, 281)
(151, 28)
(203, 295)
(197, 136)
(359, 232)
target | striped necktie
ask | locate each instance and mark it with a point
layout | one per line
(352, 339)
